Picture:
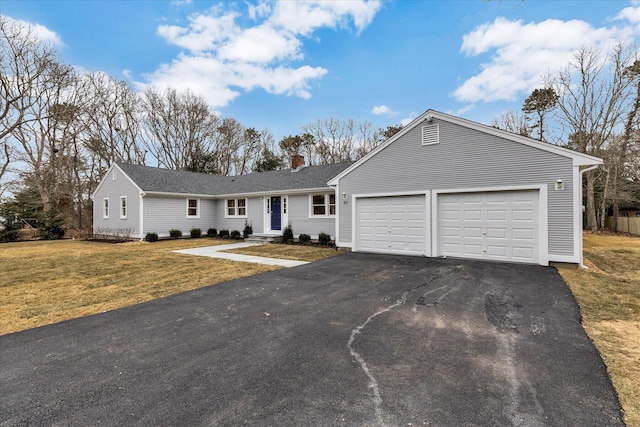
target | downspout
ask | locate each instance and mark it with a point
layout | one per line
(582, 213)
(141, 216)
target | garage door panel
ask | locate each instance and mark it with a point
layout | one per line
(497, 215)
(523, 253)
(472, 215)
(501, 225)
(471, 249)
(497, 233)
(399, 224)
(473, 232)
(497, 251)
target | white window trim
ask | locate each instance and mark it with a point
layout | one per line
(326, 205)
(105, 208)
(126, 207)
(235, 215)
(197, 215)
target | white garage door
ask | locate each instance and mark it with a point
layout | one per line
(500, 225)
(395, 225)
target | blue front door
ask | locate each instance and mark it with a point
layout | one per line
(275, 213)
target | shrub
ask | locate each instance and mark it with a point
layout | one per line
(224, 234)
(175, 234)
(324, 239)
(235, 234)
(195, 233)
(151, 237)
(11, 231)
(304, 239)
(248, 229)
(212, 232)
(287, 234)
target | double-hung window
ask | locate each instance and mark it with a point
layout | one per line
(193, 208)
(237, 208)
(123, 207)
(323, 205)
(105, 208)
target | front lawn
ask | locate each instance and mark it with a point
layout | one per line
(609, 297)
(45, 282)
(294, 252)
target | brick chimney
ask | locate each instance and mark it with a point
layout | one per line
(297, 160)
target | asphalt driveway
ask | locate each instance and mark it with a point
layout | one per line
(363, 340)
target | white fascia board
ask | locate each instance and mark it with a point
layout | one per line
(404, 130)
(109, 172)
(104, 178)
(579, 159)
(276, 192)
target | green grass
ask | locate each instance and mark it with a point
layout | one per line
(609, 297)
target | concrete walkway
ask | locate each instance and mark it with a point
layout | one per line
(215, 252)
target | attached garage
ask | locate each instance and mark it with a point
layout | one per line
(392, 224)
(495, 225)
(446, 186)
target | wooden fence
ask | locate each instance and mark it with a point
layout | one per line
(626, 224)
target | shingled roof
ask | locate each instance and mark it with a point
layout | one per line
(152, 179)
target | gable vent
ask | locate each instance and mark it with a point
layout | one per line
(430, 134)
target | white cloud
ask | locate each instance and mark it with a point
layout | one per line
(383, 110)
(521, 53)
(223, 55)
(41, 32)
(411, 117)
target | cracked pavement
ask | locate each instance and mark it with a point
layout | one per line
(354, 340)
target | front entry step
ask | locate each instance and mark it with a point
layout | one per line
(259, 238)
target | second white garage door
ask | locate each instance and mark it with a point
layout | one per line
(395, 225)
(499, 225)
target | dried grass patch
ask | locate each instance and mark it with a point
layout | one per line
(294, 252)
(609, 297)
(47, 282)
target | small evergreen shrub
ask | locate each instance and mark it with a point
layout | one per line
(151, 237)
(235, 235)
(304, 239)
(248, 229)
(287, 234)
(175, 234)
(224, 234)
(212, 232)
(324, 239)
(52, 226)
(195, 233)
(11, 231)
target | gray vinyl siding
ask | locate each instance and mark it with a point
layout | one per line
(164, 213)
(254, 216)
(114, 225)
(464, 158)
(299, 209)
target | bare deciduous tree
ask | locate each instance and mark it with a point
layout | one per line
(514, 122)
(27, 68)
(178, 128)
(112, 120)
(594, 96)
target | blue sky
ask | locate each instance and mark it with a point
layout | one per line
(284, 64)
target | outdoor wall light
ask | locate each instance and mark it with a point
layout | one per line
(345, 199)
(559, 185)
